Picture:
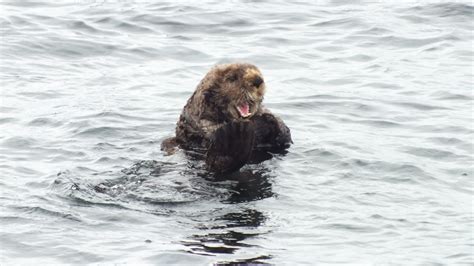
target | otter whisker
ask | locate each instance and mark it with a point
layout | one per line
(251, 97)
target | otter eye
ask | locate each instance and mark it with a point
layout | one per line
(257, 81)
(232, 78)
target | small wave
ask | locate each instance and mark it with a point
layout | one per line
(37, 210)
(20, 21)
(32, 4)
(378, 123)
(157, 20)
(105, 131)
(114, 114)
(133, 27)
(44, 95)
(453, 10)
(374, 31)
(405, 42)
(5, 109)
(449, 96)
(163, 185)
(83, 26)
(121, 25)
(45, 121)
(448, 141)
(387, 171)
(342, 22)
(418, 106)
(8, 120)
(435, 154)
(301, 80)
(184, 53)
(383, 85)
(322, 154)
(87, 28)
(172, 8)
(415, 19)
(61, 47)
(444, 129)
(19, 142)
(359, 228)
(359, 58)
(146, 182)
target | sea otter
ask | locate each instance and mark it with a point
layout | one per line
(225, 119)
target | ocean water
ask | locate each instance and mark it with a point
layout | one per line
(378, 97)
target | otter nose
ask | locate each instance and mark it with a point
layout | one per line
(257, 81)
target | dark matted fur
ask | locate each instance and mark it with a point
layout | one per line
(211, 122)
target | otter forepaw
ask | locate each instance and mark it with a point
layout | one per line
(230, 147)
(271, 133)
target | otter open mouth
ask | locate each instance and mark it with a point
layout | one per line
(244, 110)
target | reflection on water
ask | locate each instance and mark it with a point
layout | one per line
(157, 184)
(227, 232)
(248, 185)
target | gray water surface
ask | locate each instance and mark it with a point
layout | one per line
(378, 98)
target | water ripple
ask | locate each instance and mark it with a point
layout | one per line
(378, 99)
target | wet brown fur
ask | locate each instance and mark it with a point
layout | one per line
(212, 108)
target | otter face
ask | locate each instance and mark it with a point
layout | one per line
(238, 90)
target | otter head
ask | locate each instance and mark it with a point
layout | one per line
(234, 90)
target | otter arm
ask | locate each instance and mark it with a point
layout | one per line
(271, 133)
(194, 133)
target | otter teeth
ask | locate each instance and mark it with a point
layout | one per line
(244, 110)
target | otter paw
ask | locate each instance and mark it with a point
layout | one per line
(230, 147)
(271, 133)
